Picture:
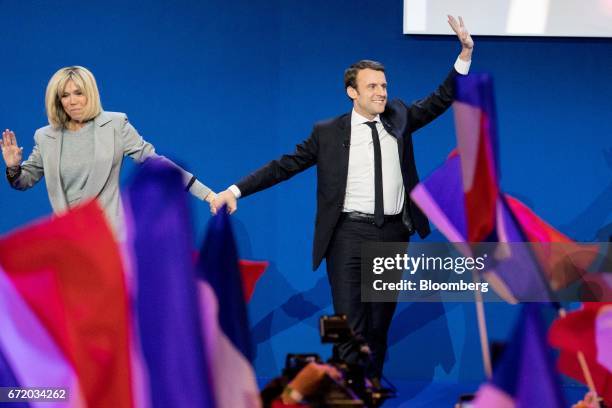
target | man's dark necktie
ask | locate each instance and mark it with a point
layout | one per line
(379, 208)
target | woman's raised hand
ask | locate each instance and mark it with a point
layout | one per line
(11, 153)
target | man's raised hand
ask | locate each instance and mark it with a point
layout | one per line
(462, 33)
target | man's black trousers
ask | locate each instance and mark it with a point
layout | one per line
(370, 320)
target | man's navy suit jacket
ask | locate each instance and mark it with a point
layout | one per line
(327, 147)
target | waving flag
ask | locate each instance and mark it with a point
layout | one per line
(224, 317)
(463, 199)
(525, 376)
(476, 125)
(64, 309)
(440, 197)
(160, 237)
(589, 331)
(562, 264)
(129, 326)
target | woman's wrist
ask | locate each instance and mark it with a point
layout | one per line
(210, 197)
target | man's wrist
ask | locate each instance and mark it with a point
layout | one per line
(462, 66)
(235, 190)
(466, 54)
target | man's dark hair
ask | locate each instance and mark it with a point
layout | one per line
(350, 74)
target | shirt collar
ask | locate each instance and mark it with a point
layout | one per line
(357, 119)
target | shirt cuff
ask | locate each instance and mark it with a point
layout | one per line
(199, 190)
(462, 67)
(235, 190)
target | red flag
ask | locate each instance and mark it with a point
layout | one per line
(69, 272)
(576, 333)
(563, 260)
(481, 196)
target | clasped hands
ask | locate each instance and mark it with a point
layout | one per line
(226, 197)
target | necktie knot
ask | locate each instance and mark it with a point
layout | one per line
(371, 124)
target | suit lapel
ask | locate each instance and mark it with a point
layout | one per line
(104, 150)
(52, 173)
(344, 126)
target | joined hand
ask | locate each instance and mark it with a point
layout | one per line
(225, 197)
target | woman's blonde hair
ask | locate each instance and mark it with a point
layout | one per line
(85, 81)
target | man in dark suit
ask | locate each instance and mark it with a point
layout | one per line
(365, 171)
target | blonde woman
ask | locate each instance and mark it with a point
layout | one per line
(81, 151)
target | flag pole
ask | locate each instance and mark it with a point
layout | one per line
(584, 367)
(482, 330)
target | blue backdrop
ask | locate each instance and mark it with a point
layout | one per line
(223, 87)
